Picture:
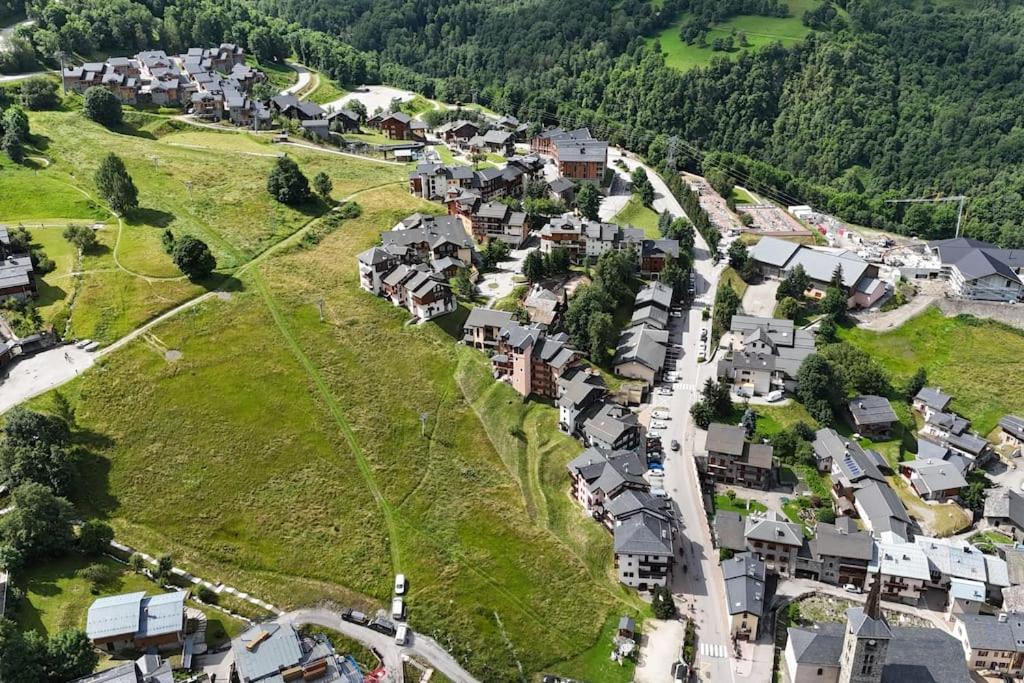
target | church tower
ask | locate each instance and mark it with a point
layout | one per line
(866, 642)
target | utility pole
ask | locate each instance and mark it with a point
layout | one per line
(670, 153)
(929, 200)
(320, 305)
(423, 424)
(61, 56)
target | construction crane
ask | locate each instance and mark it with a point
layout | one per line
(928, 200)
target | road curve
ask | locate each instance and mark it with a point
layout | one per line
(420, 645)
(299, 85)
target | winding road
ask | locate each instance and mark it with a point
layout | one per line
(417, 644)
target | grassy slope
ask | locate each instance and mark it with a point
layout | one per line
(228, 208)
(639, 216)
(326, 91)
(278, 430)
(974, 360)
(760, 31)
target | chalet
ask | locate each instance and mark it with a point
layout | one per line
(640, 353)
(292, 107)
(1011, 431)
(612, 427)
(953, 431)
(562, 190)
(776, 258)
(499, 142)
(17, 277)
(1004, 511)
(150, 668)
(273, 652)
(317, 128)
(775, 540)
(531, 360)
(598, 475)
(580, 394)
(977, 270)
(992, 643)
(744, 594)
(872, 416)
(838, 554)
(374, 265)
(133, 621)
(435, 181)
(494, 220)
(655, 254)
(729, 459)
(933, 479)
(763, 354)
(343, 120)
(544, 306)
(931, 400)
(419, 289)
(400, 126)
(901, 569)
(578, 155)
(432, 237)
(952, 560)
(644, 551)
(457, 132)
(882, 511)
(583, 237)
(483, 327)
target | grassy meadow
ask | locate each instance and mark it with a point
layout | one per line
(191, 180)
(760, 31)
(301, 471)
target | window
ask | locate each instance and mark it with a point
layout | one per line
(821, 671)
(983, 653)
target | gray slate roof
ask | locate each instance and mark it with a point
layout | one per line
(644, 534)
(934, 398)
(729, 530)
(1013, 425)
(728, 439)
(610, 423)
(744, 584)
(487, 317)
(833, 541)
(643, 344)
(872, 410)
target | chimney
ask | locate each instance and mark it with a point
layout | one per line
(1002, 617)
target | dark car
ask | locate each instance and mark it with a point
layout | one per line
(674, 445)
(355, 617)
(383, 626)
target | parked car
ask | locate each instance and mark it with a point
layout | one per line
(851, 588)
(397, 608)
(661, 414)
(664, 391)
(659, 493)
(774, 396)
(401, 634)
(680, 671)
(743, 392)
(674, 445)
(704, 334)
(656, 467)
(399, 584)
(354, 617)
(381, 625)
(658, 424)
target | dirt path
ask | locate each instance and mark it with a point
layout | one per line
(880, 322)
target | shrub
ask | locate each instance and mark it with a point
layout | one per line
(102, 106)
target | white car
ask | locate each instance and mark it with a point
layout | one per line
(661, 414)
(851, 588)
(774, 396)
(399, 584)
(398, 608)
(401, 634)
(658, 424)
(664, 391)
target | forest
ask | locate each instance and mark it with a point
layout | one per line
(885, 99)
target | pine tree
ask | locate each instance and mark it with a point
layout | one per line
(116, 186)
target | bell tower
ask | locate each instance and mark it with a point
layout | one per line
(866, 642)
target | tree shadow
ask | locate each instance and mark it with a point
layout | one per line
(91, 492)
(48, 294)
(131, 130)
(219, 282)
(98, 249)
(152, 217)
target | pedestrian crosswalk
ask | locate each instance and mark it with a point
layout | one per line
(713, 650)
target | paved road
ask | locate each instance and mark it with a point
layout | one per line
(419, 645)
(301, 83)
(7, 32)
(700, 590)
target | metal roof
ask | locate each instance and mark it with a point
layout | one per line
(115, 615)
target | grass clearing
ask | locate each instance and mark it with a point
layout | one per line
(730, 276)
(278, 75)
(596, 664)
(737, 504)
(741, 196)
(760, 31)
(326, 91)
(268, 404)
(639, 216)
(966, 356)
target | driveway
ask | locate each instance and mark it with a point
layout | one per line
(617, 197)
(29, 377)
(659, 647)
(759, 299)
(375, 97)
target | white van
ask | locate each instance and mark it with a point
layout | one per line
(397, 608)
(774, 396)
(402, 634)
